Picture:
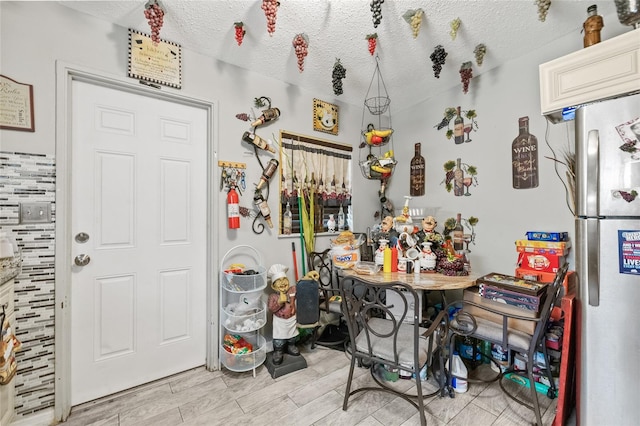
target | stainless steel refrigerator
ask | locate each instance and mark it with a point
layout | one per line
(608, 262)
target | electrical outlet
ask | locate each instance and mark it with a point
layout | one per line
(35, 212)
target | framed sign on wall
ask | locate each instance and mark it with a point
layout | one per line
(156, 63)
(16, 105)
(325, 117)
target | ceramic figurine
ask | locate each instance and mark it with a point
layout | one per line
(379, 257)
(331, 224)
(429, 258)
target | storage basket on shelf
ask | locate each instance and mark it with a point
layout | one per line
(243, 310)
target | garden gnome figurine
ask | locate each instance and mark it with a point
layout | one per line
(283, 306)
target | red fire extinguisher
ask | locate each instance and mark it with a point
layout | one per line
(233, 208)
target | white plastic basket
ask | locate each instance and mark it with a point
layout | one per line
(251, 259)
(247, 361)
(244, 313)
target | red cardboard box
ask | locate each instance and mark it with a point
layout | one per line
(543, 262)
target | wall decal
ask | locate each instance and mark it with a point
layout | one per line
(459, 177)
(524, 157)
(460, 126)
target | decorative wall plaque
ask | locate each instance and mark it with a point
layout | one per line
(156, 63)
(16, 105)
(325, 117)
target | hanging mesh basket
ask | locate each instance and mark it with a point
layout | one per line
(377, 168)
(378, 104)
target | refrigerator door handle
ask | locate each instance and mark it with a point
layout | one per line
(590, 175)
(592, 245)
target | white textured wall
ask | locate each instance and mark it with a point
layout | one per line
(36, 34)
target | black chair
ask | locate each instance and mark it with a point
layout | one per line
(329, 300)
(380, 337)
(465, 323)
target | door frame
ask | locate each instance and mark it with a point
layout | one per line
(65, 74)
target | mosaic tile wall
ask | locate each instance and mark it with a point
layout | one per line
(31, 178)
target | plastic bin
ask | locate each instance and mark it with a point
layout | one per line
(247, 361)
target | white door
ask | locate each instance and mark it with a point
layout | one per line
(138, 211)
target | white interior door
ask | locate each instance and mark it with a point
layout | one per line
(138, 211)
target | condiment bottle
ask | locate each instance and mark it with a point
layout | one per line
(386, 265)
(394, 259)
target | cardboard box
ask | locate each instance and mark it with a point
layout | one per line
(541, 250)
(512, 283)
(523, 301)
(569, 282)
(551, 245)
(471, 294)
(547, 236)
(540, 262)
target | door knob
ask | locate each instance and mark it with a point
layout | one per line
(82, 260)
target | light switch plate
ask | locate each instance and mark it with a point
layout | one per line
(35, 212)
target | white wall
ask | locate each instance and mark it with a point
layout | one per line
(499, 97)
(31, 44)
(37, 34)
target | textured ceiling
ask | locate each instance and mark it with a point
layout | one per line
(338, 29)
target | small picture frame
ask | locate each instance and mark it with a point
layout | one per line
(325, 117)
(16, 105)
(155, 63)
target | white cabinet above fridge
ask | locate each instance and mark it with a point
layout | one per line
(605, 70)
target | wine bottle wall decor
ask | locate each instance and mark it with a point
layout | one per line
(459, 177)
(417, 173)
(524, 157)
(463, 121)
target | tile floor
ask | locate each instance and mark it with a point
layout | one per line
(312, 396)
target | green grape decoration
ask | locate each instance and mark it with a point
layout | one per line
(414, 19)
(480, 51)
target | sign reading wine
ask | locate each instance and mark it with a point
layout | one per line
(417, 173)
(524, 157)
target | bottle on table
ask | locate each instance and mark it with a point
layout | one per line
(386, 265)
(341, 219)
(268, 172)
(287, 220)
(458, 179)
(524, 157)
(417, 171)
(458, 127)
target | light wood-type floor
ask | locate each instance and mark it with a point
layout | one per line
(312, 396)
